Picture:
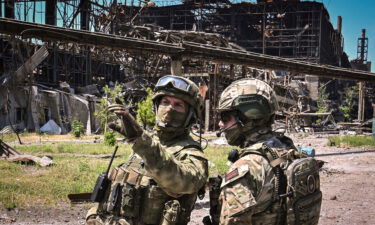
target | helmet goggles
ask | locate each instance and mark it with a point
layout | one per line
(176, 82)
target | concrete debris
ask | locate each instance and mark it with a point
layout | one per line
(10, 154)
(89, 89)
(44, 161)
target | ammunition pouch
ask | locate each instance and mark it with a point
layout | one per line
(135, 197)
(130, 200)
(154, 198)
(122, 198)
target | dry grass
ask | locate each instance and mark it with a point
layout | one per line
(35, 137)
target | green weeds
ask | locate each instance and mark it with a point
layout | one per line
(21, 185)
(352, 141)
(217, 155)
(75, 171)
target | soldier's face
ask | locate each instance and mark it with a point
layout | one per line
(227, 120)
(175, 103)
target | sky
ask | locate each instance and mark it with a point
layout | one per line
(356, 15)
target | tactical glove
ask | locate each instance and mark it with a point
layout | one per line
(129, 126)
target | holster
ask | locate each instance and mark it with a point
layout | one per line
(214, 184)
(171, 213)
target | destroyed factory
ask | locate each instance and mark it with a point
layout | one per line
(57, 55)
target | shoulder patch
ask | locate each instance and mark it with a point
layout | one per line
(232, 174)
(235, 174)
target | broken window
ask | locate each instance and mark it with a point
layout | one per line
(20, 112)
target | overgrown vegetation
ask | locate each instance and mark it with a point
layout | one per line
(110, 138)
(73, 172)
(145, 114)
(109, 98)
(352, 141)
(322, 101)
(349, 102)
(77, 128)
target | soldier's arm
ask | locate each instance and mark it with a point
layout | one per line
(185, 175)
(246, 190)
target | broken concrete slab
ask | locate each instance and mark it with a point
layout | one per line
(10, 154)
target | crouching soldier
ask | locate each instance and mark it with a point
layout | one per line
(160, 182)
(269, 182)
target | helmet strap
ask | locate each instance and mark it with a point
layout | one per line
(188, 118)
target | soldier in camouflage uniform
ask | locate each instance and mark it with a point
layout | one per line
(160, 182)
(256, 189)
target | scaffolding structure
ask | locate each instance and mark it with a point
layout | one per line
(291, 29)
(284, 28)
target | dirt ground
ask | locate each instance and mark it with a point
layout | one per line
(347, 181)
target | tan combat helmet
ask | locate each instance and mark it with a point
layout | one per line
(181, 88)
(252, 98)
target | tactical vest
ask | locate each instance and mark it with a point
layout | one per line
(134, 196)
(297, 198)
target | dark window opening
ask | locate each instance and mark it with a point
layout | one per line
(47, 115)
(20, 112)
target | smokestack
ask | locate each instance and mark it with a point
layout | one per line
(339, 24)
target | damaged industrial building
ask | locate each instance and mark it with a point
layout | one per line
(57, 55)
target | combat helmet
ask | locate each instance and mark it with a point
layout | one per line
(253, 99)
(181, 88)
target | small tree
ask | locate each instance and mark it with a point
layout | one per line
(77, 128)
(349, 102)
(322, 99)
(145, 114)
(110, 138)
(109, 97)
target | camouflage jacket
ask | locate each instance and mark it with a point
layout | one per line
(160, 172)
(177, 166)
(248, 190)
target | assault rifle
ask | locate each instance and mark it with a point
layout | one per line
(102, 182)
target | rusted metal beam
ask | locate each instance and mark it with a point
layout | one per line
(261, 61)
(54, 33)
(32, 62)
(185, 50)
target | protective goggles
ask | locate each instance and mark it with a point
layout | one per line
(176, 82)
